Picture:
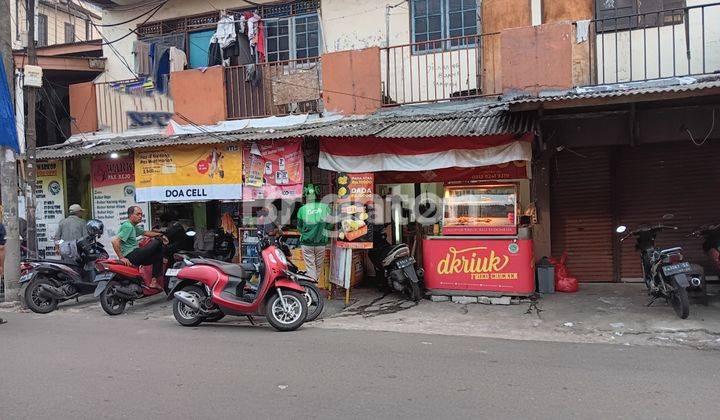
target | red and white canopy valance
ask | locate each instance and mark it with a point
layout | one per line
(372, 154)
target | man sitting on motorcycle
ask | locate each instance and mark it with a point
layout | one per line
(126, 246)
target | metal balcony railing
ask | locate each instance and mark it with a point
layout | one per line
(441, 69)
(647, 46)
(277, 88)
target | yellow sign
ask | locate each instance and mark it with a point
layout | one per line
(189, 173)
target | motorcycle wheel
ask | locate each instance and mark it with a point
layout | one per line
(283, 320)
(185, 316)
(110, 302)
(680, 301)
(37, 303)
(315, 300)
(412, 291)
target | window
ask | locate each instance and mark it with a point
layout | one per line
(292, 38)
(42, 30)
(438, 19)
(615, 15)
(69, 33)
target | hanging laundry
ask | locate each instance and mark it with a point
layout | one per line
(214, 54)
(241, 24)
(253, 28)
(141, 51)
(261, 42)
(161, 67)
(225, 34)
(178, 59)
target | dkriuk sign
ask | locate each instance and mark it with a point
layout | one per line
(189, 173)
(497, 265)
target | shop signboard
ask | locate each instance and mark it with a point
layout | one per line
(506, 171)
(113, 182)
(189, 173)
(354, 209)
(277, 172)
(50, 205)
(491, 265)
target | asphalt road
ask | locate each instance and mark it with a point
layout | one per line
(86, 365)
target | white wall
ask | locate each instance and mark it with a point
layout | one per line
(57, 17)
(648, 54)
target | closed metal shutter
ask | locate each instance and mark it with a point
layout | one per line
(581, 212)
(677, 178)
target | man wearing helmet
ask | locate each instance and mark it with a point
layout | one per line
(126, 246)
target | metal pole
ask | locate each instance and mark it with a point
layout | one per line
(8, 175)
(30, 170)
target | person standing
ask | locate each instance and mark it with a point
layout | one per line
(313, 227)
(128, 251)
(71, 228)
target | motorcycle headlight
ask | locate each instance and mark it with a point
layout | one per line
(279, 254)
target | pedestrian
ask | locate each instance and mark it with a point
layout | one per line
(3, 233)
(313, 226)
(126, 246)
(71, 228)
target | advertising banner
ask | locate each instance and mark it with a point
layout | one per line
(189, 173)
(113, 182)
(50, 205)
(494, 265)
(354, 210)
(276, 173)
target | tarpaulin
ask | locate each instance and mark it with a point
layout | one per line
(8, 129)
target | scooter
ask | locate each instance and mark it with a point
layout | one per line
(667, 275)
(118, 284)
(223, 247)
(313, 295)
(396, 265)
(205, 289)
(46, 283)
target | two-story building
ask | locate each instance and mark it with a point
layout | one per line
(609, 106)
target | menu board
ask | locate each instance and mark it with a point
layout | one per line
(113, 182)
(49, 205)
(354, 210)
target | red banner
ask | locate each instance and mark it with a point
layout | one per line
(279, 169)
(355, 197)
(511, 170)
(489, 265)
(112, 172)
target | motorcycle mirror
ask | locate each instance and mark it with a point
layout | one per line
(191, 233)
(668, 216)
(621, 229)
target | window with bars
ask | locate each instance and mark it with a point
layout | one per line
(440, 19)
(615, 15)
(293, 38)
(69, 33)
(42, 30)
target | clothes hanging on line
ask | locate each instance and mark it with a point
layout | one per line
(161, 67)
(178, 59)
(214, 55)
(141, 51)
(260, 47)
(225, 34)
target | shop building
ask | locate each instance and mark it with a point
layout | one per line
(514, 84)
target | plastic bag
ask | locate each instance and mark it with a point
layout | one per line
(564, 282)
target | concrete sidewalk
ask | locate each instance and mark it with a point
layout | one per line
(598, 313)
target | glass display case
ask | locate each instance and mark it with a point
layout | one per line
(481, 209)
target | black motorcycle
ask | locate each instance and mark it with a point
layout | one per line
(223, 247)
(711, 241)
(395, 264)
(46, 283)
(667, 275)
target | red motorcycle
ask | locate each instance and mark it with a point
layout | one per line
(118, 284)
(207, 290)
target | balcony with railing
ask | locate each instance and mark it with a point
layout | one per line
(647, 46)
(274, 88)
(441, 69)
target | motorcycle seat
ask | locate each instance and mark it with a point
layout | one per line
(234, 270)
(395, 252)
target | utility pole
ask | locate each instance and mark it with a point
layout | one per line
(8, 175)
(31, 142)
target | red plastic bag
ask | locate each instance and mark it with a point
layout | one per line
(564, 282)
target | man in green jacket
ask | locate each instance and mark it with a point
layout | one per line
(313, 227)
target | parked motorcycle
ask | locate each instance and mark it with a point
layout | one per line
(46, 283)
(205, 289)
(396, 265)
(118, 284)
(667, 275)
(223, 247)
(315, 298)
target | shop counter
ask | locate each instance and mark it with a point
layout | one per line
(479, 264)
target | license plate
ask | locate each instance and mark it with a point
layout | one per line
(671, 270)
(27, 277)
(172, 272)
